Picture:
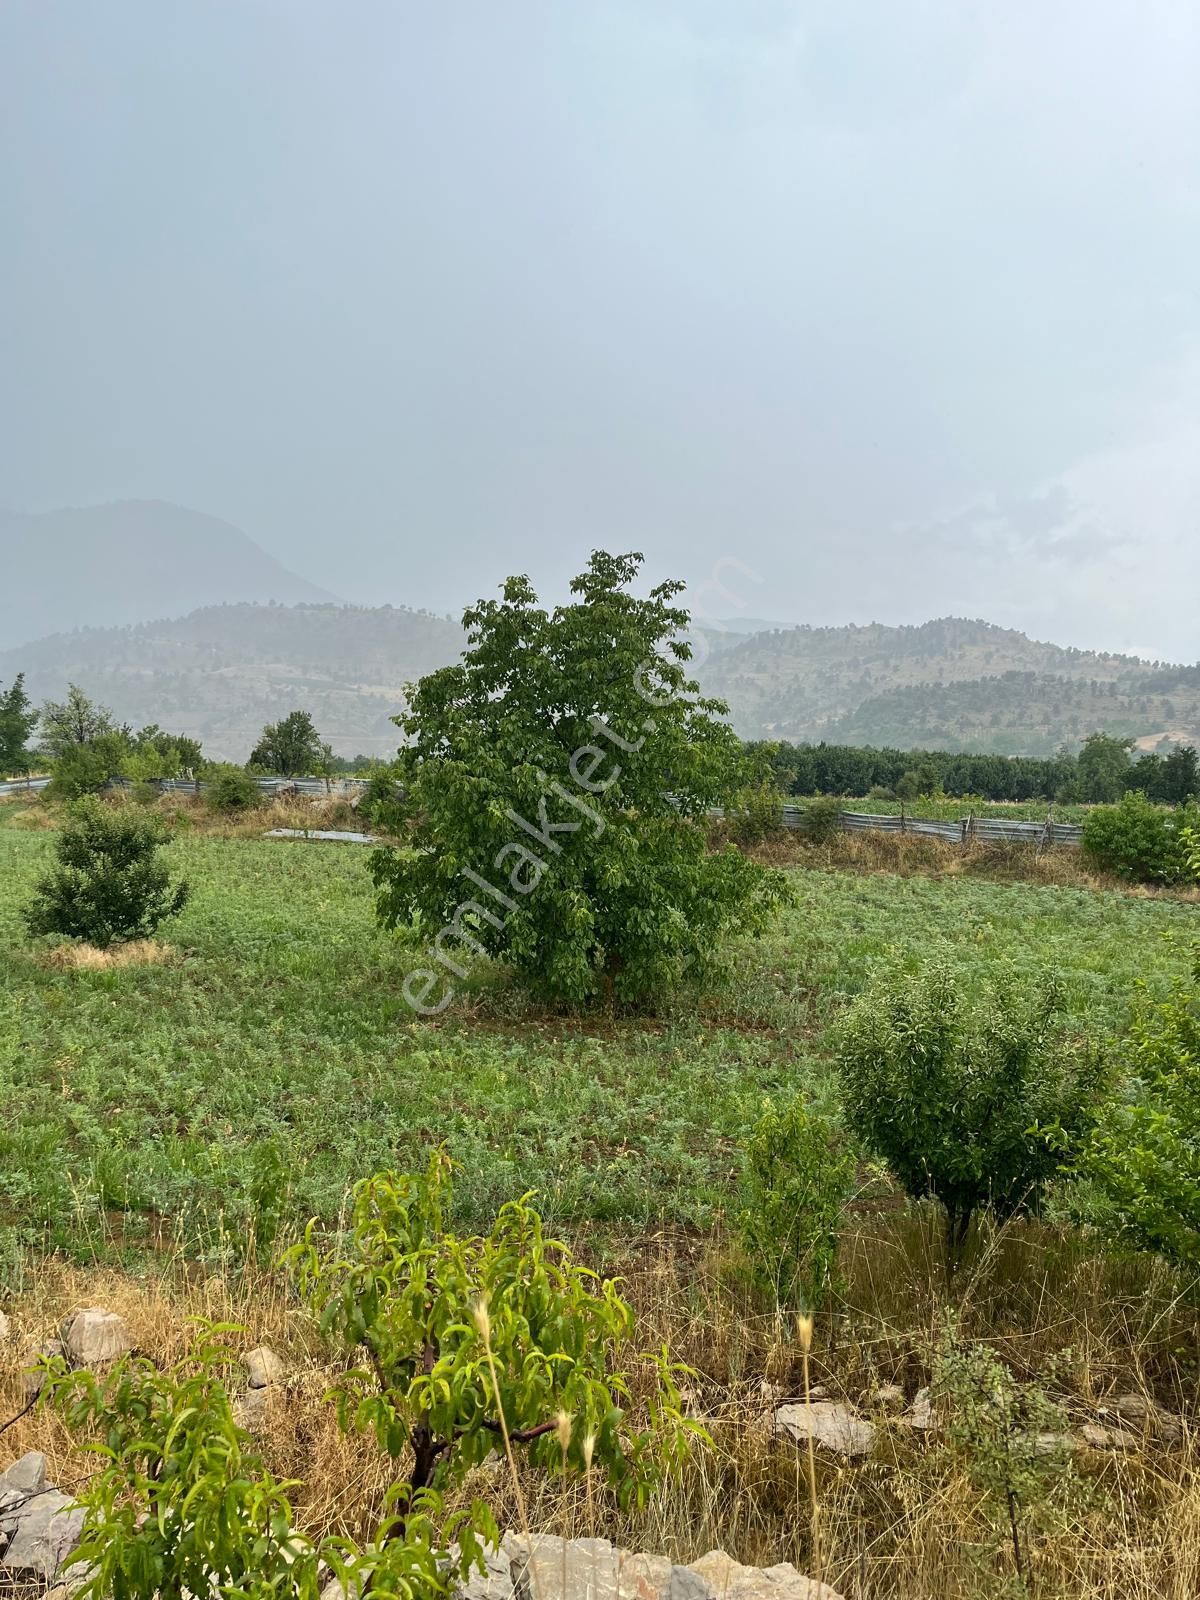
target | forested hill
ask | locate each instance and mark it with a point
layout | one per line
(220, 673)
(953, 683)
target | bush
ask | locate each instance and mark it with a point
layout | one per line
(1138, 840)
(84, 769)
(109, 885)
(231, 789)
(755, 815)
(974, 1095)
(382, 803)
(823, 819)
(1145, 1150)
(797, 1179)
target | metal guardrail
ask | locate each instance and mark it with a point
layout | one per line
(981, 830)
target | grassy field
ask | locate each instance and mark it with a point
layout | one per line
(271, 1061)
(161, 1122)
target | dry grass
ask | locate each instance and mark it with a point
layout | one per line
(85, 957)
(907, 1523)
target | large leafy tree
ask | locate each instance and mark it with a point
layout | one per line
(75, 721)
(555, 782)
(17, 722)
(291, 748)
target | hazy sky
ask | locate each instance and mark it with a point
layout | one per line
(898, 303)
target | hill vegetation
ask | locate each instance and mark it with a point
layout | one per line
(951, 684)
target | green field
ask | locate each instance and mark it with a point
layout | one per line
(274, 1061)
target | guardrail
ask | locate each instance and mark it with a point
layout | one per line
(964, 831)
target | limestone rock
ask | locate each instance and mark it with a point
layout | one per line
(32, 1378)
(263, 1367)
(26, 1476)
(920, 1414)
(5, 1327)
(1139, 1412)
(729, 1580)
(250, 1410)
(833, 1426)
(74, 1580)
(48, 1527)
(1098, 1438)
(96, 1337)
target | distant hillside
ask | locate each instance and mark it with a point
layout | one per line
(222, 672)
(129, 561)
(955, 683)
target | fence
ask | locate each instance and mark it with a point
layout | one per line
(965, 831)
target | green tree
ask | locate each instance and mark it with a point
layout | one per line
(797, 1177)
(67, 724)
(974, 1094)
(554, 784)
(17, 722)
(1145, 1151)
(109, 884)
(290, 748)
(1104, 769)
(473, 1343)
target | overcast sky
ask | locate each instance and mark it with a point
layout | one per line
(896, 303)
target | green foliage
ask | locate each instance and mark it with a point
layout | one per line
(1103, 769)
(1138, 840)
(84, 769)
(1189, 837)
(17, 722)
(284, 1021)
(182, 1503)
(382, 803)
(109, 885)
(231, 788)
(1145, 1150)
(71, 722)
(973, 1091)
(566, 762)
(290, 748)
(823, 819)
(155, 754)
(756, 814)
(467, 1340)
(797, 1178)
(1009, 1437)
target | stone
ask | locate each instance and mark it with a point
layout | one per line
(1145, 1414)
(920, 1414)
(1098, 1438)
(263, 1367)
(834, 1427)
(496, 1583)
(5, 1327)
(250, 1410)
(48, 1527)
(729, 1580)
(95, 1337)
(32, 1378)
(77, 1575)
(26, 1476)
(1051, 1444)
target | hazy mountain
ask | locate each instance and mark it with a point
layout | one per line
(223, 671)
(129, 561)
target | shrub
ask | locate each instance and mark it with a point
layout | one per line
(797, 1177)
(84, 769)
(182, 1503)
(974, 1095)
(756, 814)
(1138, 840)
(231, 789)
(470, 1343)
(1145, 1149)
(109, 885)
(823, 819)
(382, 802)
